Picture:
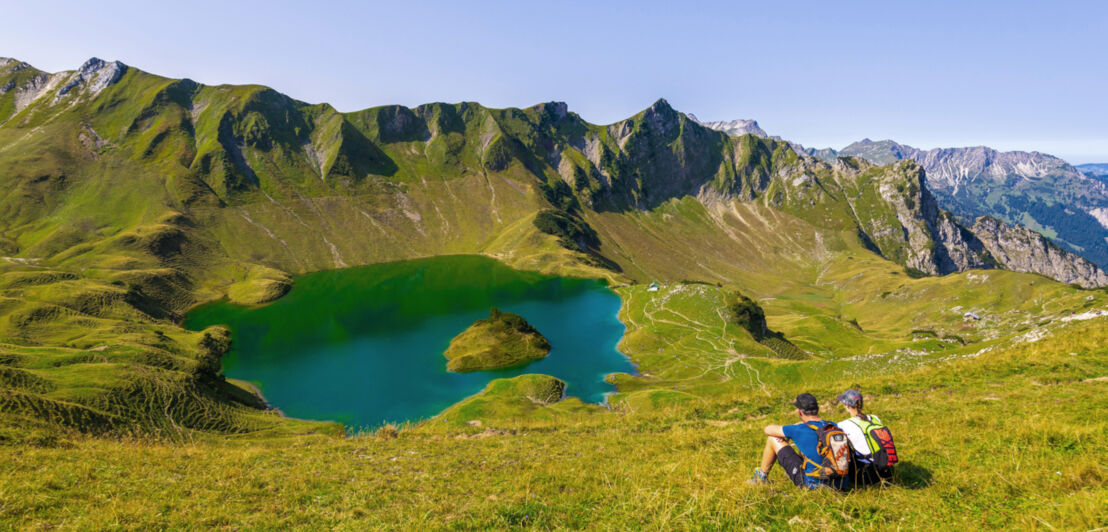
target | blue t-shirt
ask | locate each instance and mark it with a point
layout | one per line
(806, 441)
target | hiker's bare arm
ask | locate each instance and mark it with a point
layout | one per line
(775, 431)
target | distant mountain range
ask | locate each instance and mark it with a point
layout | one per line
(1096, 170)
(1038, 191)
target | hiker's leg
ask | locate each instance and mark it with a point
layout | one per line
(769, 454)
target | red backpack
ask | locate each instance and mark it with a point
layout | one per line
(879, 439)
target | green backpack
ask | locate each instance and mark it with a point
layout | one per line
(879, 439)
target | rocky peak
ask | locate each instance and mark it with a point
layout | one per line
(94, 75)
(826, 155)
(661, 106)
(879, 152)
(950, 168)
(659, 119)
(10, 67)
(735, 128)
(92, 66)
(558, 109)
(102, 73)
(660, 115)
(979, 180)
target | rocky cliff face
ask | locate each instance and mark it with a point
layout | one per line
(1031, 189)
(1022, 250)
(915, 232)
(918, 234)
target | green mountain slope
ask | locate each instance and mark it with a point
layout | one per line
(129, 198)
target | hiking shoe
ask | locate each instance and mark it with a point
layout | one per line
(758, 478)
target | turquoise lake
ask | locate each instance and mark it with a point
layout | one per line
(364, 346)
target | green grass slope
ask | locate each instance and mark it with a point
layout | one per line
(1003, 438)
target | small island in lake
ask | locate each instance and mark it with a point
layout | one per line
(499, 341)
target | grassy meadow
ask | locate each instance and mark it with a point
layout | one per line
(1006, 438)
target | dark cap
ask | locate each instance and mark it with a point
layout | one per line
(806, 402)
(850, 397)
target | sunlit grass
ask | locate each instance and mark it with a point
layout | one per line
(1007, 439)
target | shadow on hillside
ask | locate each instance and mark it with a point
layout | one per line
(912, 476)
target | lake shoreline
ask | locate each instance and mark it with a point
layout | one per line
(364, 346)
(257, 392)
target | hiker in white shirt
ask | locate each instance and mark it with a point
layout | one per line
(856, 427)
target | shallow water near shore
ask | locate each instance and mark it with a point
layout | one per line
(364, 346)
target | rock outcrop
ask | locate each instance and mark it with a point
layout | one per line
(1022, 250)
(1026, 188)
(921, 236)
(28, 84)
(926, 238)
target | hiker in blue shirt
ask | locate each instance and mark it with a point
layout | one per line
(802, 472)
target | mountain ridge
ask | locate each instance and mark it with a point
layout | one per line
(640, 162)
(1031, 189)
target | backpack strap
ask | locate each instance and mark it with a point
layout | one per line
(813, 426)
(814, 472)
(870, 442)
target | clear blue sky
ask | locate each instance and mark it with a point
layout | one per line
(1011, 74)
